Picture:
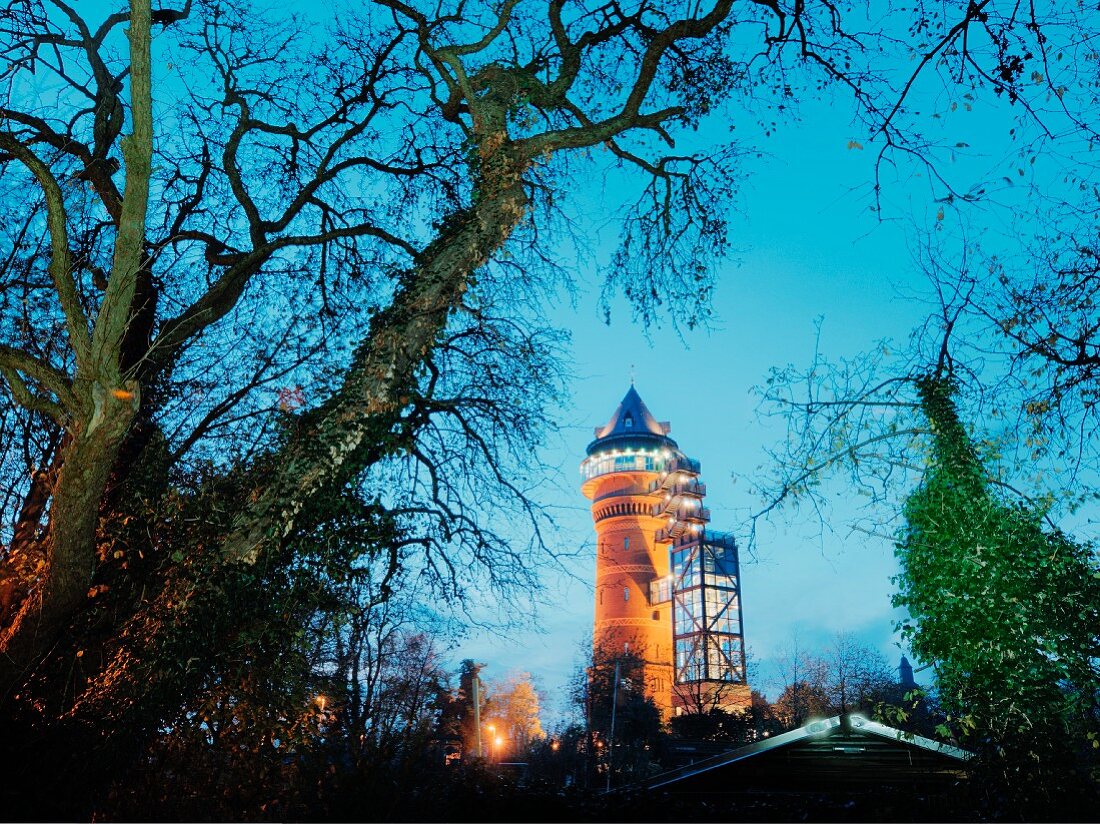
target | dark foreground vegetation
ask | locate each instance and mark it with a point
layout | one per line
(312, 790)
(476, 795)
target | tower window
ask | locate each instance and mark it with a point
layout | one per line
(628, 421)
(626, 543)
(626, 593)
(657, 617)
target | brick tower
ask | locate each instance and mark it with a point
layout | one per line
(667, 592)
(623, 462)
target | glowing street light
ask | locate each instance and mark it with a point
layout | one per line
(492, 733)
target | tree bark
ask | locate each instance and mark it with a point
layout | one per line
(385, 366)
(108, 400)
(70, 561)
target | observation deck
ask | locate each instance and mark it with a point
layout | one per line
(678, 471)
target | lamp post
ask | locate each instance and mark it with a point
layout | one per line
(475, 686)
(611, 734)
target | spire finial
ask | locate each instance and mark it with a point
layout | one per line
(631, 374)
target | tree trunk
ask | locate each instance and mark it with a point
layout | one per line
(70, 541)
(385, 366)
(108, 400)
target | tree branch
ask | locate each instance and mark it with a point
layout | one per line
(60, 267)
(45, 375)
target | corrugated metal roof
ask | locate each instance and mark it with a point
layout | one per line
(831, 746)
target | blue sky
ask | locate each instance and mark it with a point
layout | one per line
(810, 253)
(809, 248)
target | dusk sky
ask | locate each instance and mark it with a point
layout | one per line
(806, 245)
(809, 247)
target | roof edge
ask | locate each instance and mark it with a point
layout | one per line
(810, 730)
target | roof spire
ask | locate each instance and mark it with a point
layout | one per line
(632, 418)
(905, 673)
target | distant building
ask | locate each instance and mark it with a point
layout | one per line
(668, 589)
(905, 674)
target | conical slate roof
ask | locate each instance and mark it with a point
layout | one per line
(632, 421)
(631, 418)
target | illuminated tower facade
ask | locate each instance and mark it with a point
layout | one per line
(667, 589)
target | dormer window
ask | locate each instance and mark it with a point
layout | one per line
(628, 422)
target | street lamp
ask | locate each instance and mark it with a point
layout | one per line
(497, 741)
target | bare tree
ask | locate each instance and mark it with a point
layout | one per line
(846, 677)
(855, 674)
(704, 697)
(224, 228)
(803, 678)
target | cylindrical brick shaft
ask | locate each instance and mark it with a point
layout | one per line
(623, 462)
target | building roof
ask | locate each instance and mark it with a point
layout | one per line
(833, 751)
(632, 419)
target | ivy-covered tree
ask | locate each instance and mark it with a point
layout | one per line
(1008, 612)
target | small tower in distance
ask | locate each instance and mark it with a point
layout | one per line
(667, 591)
(905, 674)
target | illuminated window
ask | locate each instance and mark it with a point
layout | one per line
(660, 590)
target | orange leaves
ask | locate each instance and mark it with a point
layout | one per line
(291, 398)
